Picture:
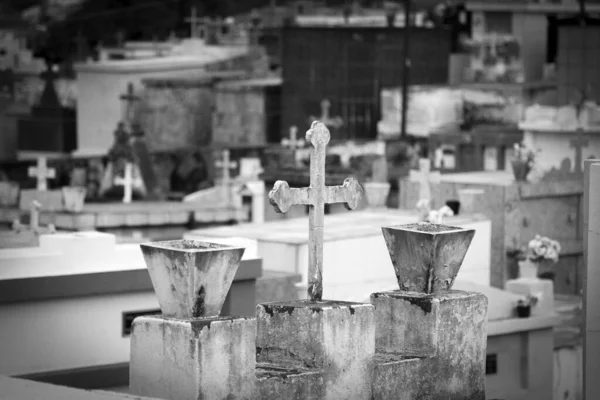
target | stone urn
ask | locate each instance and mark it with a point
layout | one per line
(528, 269)
(426, 257)
(191, 277)
(377, 193)
(9, 194)
(520, 171)
(74, 198)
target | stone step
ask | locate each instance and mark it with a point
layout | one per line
(287, 381)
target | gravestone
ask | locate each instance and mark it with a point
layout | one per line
(335, 122)
(128, 181)
(50, 199)
(225, 183)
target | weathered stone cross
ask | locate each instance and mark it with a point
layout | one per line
(578, 144)
(293, 141)
(128, 181)
(335, 122)
(194, 20)
(42, 173)
(282, 197)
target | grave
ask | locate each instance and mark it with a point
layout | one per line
(346, 237)
(85, 277)
(518, 211)
(405, 342)
(49, 199)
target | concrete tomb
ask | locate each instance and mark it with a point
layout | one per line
(406, 345)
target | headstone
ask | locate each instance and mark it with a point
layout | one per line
(578, 144)
(143, 160)
(335, 122)
(425, 177)
(41, 172)
(9, 194)
(128, 99)
(128, 181)
(282, 197)
(292, 142)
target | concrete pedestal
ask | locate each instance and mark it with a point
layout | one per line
(543, 289)
(442, 335)
(335, 339)
(204, 358)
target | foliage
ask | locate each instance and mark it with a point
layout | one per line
(543, 248)
(524, 155)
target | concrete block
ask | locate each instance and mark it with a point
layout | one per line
(50, 200)
(402, 377)
(290, 382)
(337, 337)
(204, 358)
(543, 289)
(450, 326)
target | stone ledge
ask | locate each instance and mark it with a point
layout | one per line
(516, 325)
(287, 381)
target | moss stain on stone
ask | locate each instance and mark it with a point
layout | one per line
(198, 309)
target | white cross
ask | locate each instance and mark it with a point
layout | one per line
(282, 197)
(42, 173)
(293, 141)
(335, 122)
(225, 164)
(425, 177)
(128, 181)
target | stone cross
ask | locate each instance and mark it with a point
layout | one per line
(128, 99)
(225, 164)
(282, 197)
(42, 173)
(578, 144)
(292, 142)
(335, 122)
(194, 20)
(425, 177)
(127, 181)
(34, 215)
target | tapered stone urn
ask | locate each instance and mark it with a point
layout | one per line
(191, 278)
(73, 198)
(427, 257)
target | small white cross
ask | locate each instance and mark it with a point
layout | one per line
(128, 181)
(335, 122)
(42, 173)
(425, 177)
(293, 141)
(225, 164)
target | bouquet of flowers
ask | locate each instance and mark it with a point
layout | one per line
(523, 161)
(543, 248)
(426, 214)
(527, 301)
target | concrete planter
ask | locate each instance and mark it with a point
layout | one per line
(377, 193)
(191, 278)
(73, 198)
(427, 257)
(9, 194)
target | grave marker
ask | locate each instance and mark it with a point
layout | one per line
(335, 122)
(128, 181)
(282, 197)
(194, 20)
(425, 177)
(128, 99)
(41, 172)
(34, 216)
(292, 142)
(225, 164)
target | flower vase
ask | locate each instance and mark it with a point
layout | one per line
(523, 311)
(520, 171)
(528, 269)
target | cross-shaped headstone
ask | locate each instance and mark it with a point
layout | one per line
(578, 144)
(128, 99)
(42, 173)
(335, 122)
(293, 141)
(34, 215)
(282, 197)
(225, 164)
(128, 181)
(425, 177)
(194, 20)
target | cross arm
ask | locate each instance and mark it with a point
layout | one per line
(282, 197)
(349, 193)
